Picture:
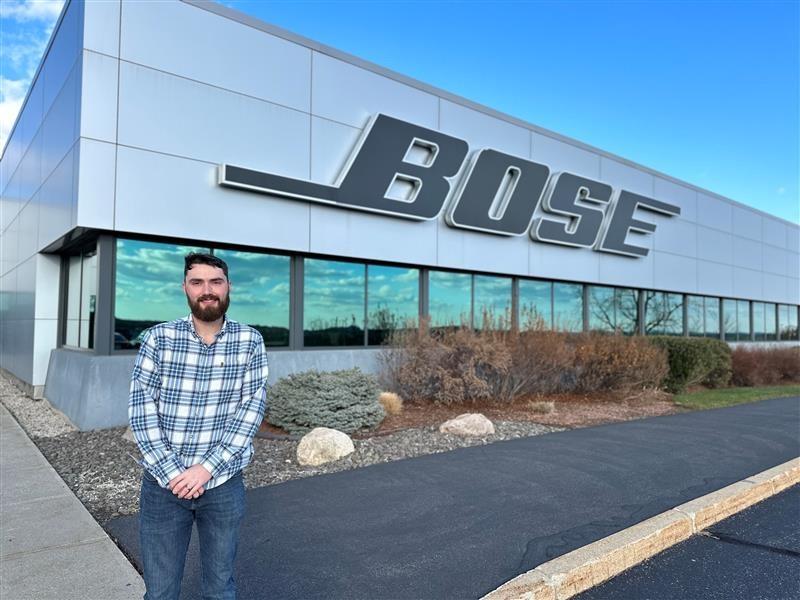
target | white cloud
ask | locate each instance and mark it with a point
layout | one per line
(31, 10)
(781, 191)
(22, 49)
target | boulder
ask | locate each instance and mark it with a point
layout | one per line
(322, 445)
(470, 424)
(128, 436)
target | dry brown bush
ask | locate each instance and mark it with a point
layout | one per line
(614, 362)
(462, 365)
(767, 366)
(391, 402)
(542, 407)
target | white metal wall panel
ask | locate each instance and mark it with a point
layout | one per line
(56, 200)
(549, 261)
(461, 249)
(28, 229)
(715, 213)
(774, 232)
(61, 123)
(676, 236)
(101, 27)
(184, 196)
(776, 261)
(63, 53)
(747, 223)
(96, 169)
(747, 253)
(358, 234)
(331, 143)
(747, 283)
(191, 42)
(560, 156)
(99, 97)
(714, 279)
(483, 131)
(675, 273)
(686, 198)
(351, 95)
(625, 271)
(714, 245)
(173, 115)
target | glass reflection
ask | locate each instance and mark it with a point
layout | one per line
(729, 319)
(627, 310)
(770, 324)
(333, 303)
(567, 307)
(712, 317)
(260, 293)
(743, 320)
(759, 332)
(148, 288)
(663, 313)
(492, 302)
(535, 304)
(393, 299)
(601, 309)
(450, 299)
(695, 311)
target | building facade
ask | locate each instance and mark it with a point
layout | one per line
(348, 200)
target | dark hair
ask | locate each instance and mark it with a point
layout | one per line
(199, 258)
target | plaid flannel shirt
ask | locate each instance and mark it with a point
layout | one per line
(191, 403)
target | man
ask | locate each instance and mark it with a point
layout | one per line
(198, 394)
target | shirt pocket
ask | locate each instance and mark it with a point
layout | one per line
(227, 377)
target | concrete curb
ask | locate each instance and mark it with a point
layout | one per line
(591, 565)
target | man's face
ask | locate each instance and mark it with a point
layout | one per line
(208, 292)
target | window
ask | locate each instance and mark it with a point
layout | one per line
(663, 313)
(81, 299)
(492, 302)
(759, 332)
(627, 306)
(393, 300)
(601, 309)
(535, 304)
(148, 288)
(787, 322)
(333, 303)
(568, 307)
(695, 312)
(450, 298)
(260, 293)
(712, 317)
(770, 323)
(729, 319)
(743, 327)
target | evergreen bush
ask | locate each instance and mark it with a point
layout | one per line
(344, 400)
(694, 361)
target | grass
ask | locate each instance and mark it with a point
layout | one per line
(730, 396)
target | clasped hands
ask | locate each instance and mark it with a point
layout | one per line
(189, 484)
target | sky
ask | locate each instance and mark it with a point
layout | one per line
(707, 92)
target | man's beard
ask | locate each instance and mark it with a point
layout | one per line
(212, 312)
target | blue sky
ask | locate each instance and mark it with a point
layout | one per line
(704, 91)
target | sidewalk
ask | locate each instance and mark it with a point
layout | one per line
(50, 546)
(460, 524)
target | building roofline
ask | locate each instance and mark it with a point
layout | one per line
(240, 17)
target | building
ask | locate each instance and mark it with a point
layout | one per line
(346, 199)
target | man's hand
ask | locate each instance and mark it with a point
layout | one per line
(189, 484)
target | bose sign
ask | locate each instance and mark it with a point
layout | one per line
(405, 170)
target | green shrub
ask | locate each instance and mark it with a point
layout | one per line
(343, 400)
(694, 361)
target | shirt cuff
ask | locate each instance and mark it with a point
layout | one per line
(167, 469)
(214, 462)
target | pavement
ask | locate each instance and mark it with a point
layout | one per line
(50, 546)
(460, 524)
(452, 525)
(754, 554)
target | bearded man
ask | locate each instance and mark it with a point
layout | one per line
(198, 395)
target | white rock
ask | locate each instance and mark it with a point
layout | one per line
(469, 424)
(323, 445)
(128, 436)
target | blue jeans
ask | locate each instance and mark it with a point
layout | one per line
(165, 527)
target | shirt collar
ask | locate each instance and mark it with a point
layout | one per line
(189, 324)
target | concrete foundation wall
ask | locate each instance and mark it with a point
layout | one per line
(92, 391)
